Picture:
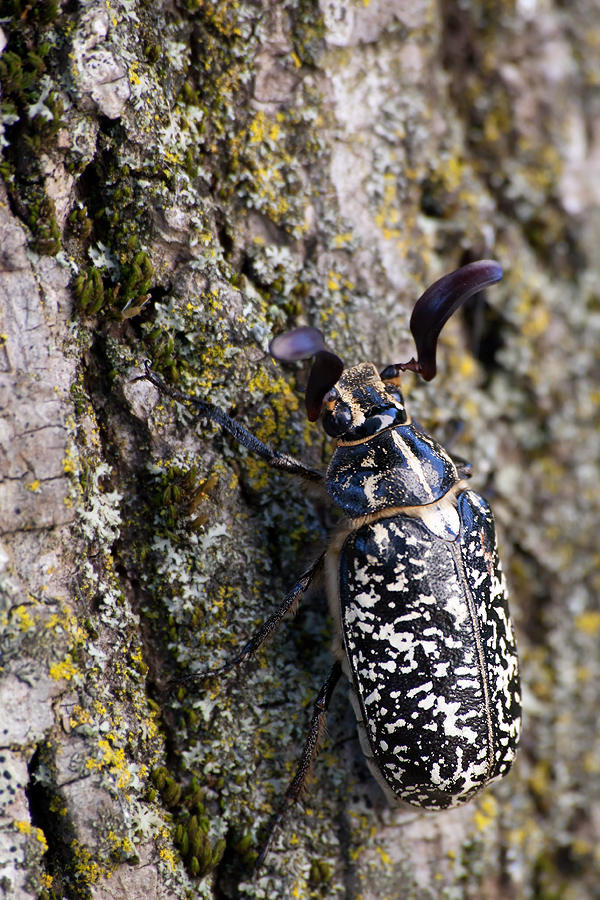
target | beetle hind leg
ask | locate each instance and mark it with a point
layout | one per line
(309, 753)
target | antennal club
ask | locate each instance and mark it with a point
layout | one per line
(301, 343)
(434, 308)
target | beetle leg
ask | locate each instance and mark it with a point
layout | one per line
(209, 411)
(267, 628)
(309, 753)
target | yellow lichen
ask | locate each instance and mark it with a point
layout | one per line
(588, 622)
(79, 717)
(29, 829)
(486, 812)
(112, 759)
(68, 462)
(24, 620)
(87, 869)
(63, 670)
(169, 857)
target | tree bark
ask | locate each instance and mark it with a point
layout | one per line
(180, 182)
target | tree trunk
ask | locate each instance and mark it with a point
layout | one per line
(182, 181)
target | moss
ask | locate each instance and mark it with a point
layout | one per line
(320, 873)
(32, 109)
(82, 225)
(88, 289)
(191, 825)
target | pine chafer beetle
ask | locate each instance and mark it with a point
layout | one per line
(414, 584)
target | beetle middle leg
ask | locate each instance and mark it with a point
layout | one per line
(309, 753)
(267, 628)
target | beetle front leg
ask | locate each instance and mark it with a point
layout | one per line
(267, 628)
(273, 458)
(309, 753)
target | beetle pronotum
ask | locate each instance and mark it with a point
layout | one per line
(415, 589)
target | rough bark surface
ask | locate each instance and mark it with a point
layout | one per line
(180, 182)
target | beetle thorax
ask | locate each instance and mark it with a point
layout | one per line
(361, 405)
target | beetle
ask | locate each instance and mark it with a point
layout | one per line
(422, 629)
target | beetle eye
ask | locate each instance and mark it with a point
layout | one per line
(331, 395)
(389, 372)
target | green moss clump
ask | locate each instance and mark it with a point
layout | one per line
(32, 111)
(191, 829)
(89, 290)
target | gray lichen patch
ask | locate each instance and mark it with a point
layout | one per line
(95, 69)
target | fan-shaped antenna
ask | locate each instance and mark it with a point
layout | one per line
(434, 308)
(326, 369)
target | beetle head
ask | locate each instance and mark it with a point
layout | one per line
(361, 404)
(354, 406)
